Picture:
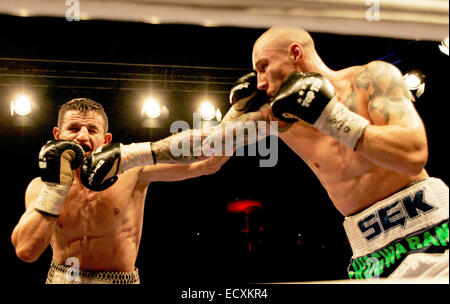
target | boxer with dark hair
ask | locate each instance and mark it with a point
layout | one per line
(101, 230)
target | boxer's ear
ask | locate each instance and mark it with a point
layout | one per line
(296, 51)
(56, 132)
(107, 138)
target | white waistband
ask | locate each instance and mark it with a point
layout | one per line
(414, 208)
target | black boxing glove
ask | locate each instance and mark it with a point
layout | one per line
(245, 96)
(100, 169)
(57, 160)
(310, 97)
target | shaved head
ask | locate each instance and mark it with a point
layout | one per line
(279, 52)
(280, 38)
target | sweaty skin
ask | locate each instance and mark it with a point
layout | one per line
(353, 180)
(101, 229)
(393, 149)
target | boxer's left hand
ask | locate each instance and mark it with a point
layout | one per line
(302, 96)
(310, 97)
(99, 171)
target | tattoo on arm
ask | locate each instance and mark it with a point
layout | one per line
(163, 150)
(193, 139)
(244, 130)
(385, 89)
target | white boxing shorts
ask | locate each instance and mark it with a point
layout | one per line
(404, 236)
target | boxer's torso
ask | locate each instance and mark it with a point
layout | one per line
(101, 229)
(351, 180)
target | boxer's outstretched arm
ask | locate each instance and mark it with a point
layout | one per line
(175, 172)
(233, 119)
(174, 168)
(101, 169)
(396, 137)
(178, 172)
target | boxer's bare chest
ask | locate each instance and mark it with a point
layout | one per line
(320, 150)
(93, 214)
(347, 175)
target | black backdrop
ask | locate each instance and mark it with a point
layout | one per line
(188, 236)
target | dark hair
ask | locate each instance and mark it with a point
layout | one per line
(82, 105)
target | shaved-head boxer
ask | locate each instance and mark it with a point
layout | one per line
(359, 132)
(94, 234)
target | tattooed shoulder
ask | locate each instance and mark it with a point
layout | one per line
(381, 78)
(385, 88)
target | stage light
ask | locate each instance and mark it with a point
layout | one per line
(415, 83)
(444, 46)
(209, 23)
(153, 20)
(412, 80)
(85, 16)
(21, 105)
(23, 12)
(151, 108)
(154, 114)
(207, 111)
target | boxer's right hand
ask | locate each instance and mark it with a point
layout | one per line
(57, 160)
(245, 96)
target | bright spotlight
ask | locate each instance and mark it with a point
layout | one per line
(415, 82)
(444, 46)
(207, 111)
(412, 80)
(151, 108)
(21, 105)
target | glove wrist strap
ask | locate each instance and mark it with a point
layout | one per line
(337, 121)
(51, 199)
(136, 155)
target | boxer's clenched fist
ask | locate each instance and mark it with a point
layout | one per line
(100, 169)
(57, 159)
(245, 96)
(310, 97)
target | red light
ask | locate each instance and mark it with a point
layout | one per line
(244, 206)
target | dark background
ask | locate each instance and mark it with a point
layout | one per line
(188, 235)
